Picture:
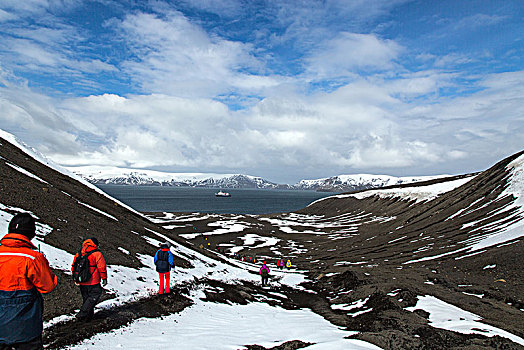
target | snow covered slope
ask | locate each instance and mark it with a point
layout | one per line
(347, 183)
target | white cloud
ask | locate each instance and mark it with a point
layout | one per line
(348, 52)
(475, 21)
(177, 57)
(360, 126)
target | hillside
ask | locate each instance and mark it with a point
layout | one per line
(432, 265)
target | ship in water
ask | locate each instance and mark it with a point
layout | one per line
(222, 194)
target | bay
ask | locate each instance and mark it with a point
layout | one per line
(203, 200)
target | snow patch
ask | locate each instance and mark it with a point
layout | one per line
(447, 316)
(219, 326)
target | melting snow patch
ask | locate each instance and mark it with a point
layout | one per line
(514, 230)
(125, 251)
(489, 267)
(474, 295)
(447, 316)
(25, 172)
(98, 211)
(218, 326)
(348, 307)
(227, 226)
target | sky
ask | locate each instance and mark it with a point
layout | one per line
(285, 90)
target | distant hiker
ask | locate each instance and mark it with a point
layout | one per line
(24, 275)
(288, 263)
(164, 261)
(264, 273)
(281, 264)
(89, 279)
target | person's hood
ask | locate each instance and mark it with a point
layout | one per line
(88, 246)
(17, 240)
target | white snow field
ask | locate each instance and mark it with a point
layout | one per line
(447, 316)
(219, 326)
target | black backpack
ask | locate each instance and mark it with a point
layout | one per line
(162, 262)
(81, 267)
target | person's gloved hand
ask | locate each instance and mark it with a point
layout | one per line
(104, 283)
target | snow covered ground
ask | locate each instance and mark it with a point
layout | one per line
(447, 316)
(214, 326)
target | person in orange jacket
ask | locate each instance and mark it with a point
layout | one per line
(24, 275)
(91, 289)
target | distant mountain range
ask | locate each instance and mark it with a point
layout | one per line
(341, 183)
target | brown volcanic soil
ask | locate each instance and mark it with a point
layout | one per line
(412, 232)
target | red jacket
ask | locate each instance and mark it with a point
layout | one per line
(24, 274)
(97, 263)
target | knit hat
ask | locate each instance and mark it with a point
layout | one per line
(95, 241)
(23, 224)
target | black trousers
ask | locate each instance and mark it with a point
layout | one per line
(265, 279)
(90, 295)
(35, 344)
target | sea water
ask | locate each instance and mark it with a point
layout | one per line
(203, 200)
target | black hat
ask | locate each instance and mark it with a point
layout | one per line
(23, 224)
(95, 241)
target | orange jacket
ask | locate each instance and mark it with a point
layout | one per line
(97, 263)
(24, 274)
(22, 267)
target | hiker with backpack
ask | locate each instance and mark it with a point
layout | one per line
(90, 273)
(164, 261)
(264, 273)
(24, 275)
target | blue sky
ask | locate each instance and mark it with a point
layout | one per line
(285, 90)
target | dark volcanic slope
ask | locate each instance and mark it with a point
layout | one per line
(66, 205)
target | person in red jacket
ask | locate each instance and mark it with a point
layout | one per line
(24, 275)
(91, 289)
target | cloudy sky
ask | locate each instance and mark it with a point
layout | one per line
(282, 89)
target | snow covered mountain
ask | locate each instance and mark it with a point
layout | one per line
(340, 183)
(357, 182)
(125, 176)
